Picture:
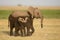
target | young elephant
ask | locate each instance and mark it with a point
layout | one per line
(25, 22)
(20, 25)
(29, 26)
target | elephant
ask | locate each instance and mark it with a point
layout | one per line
(26, 23)
(12, 19)
(33, 11)
(31, 17)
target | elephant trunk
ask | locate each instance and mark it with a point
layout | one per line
(42, 22)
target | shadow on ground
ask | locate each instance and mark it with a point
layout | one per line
(5, 32)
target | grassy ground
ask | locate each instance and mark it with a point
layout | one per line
(50, 31)
(51, 13)
(46, 13)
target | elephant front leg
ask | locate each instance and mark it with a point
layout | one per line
(22, 32)
(32, 30)
(16, 31)
(11, 31)
(25, 32)
(28, 31)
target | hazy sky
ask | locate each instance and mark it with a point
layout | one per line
(30, 2)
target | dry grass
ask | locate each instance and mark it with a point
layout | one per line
(13, 8)
(25, 7)
(51, 31)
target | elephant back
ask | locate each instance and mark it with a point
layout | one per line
(19, 13)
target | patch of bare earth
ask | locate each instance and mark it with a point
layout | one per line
(50, 31)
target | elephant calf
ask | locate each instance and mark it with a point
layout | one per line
(25, 24)
(20, 25)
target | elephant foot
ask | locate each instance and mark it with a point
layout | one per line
(11, 34)
(16, 35)
(29, 34)
(22, 35)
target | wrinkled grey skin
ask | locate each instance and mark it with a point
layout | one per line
(33, 11)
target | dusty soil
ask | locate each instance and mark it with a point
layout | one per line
(50, 31)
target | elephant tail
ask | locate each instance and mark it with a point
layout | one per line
(8, 23)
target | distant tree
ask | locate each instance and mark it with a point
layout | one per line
(19, 5)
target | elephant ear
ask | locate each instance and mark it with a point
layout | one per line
(31, 11)
(20, 19)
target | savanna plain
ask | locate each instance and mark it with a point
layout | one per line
(50, 30)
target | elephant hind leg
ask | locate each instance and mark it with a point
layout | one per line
(11, 30)
(32, 30)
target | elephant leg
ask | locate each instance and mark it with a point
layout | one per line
(28, 31)
(11, 30)
(21, 32)
(21, 29)
(24, 31)
(32, 30)
(16, 31)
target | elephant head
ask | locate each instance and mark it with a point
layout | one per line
(36, 14)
